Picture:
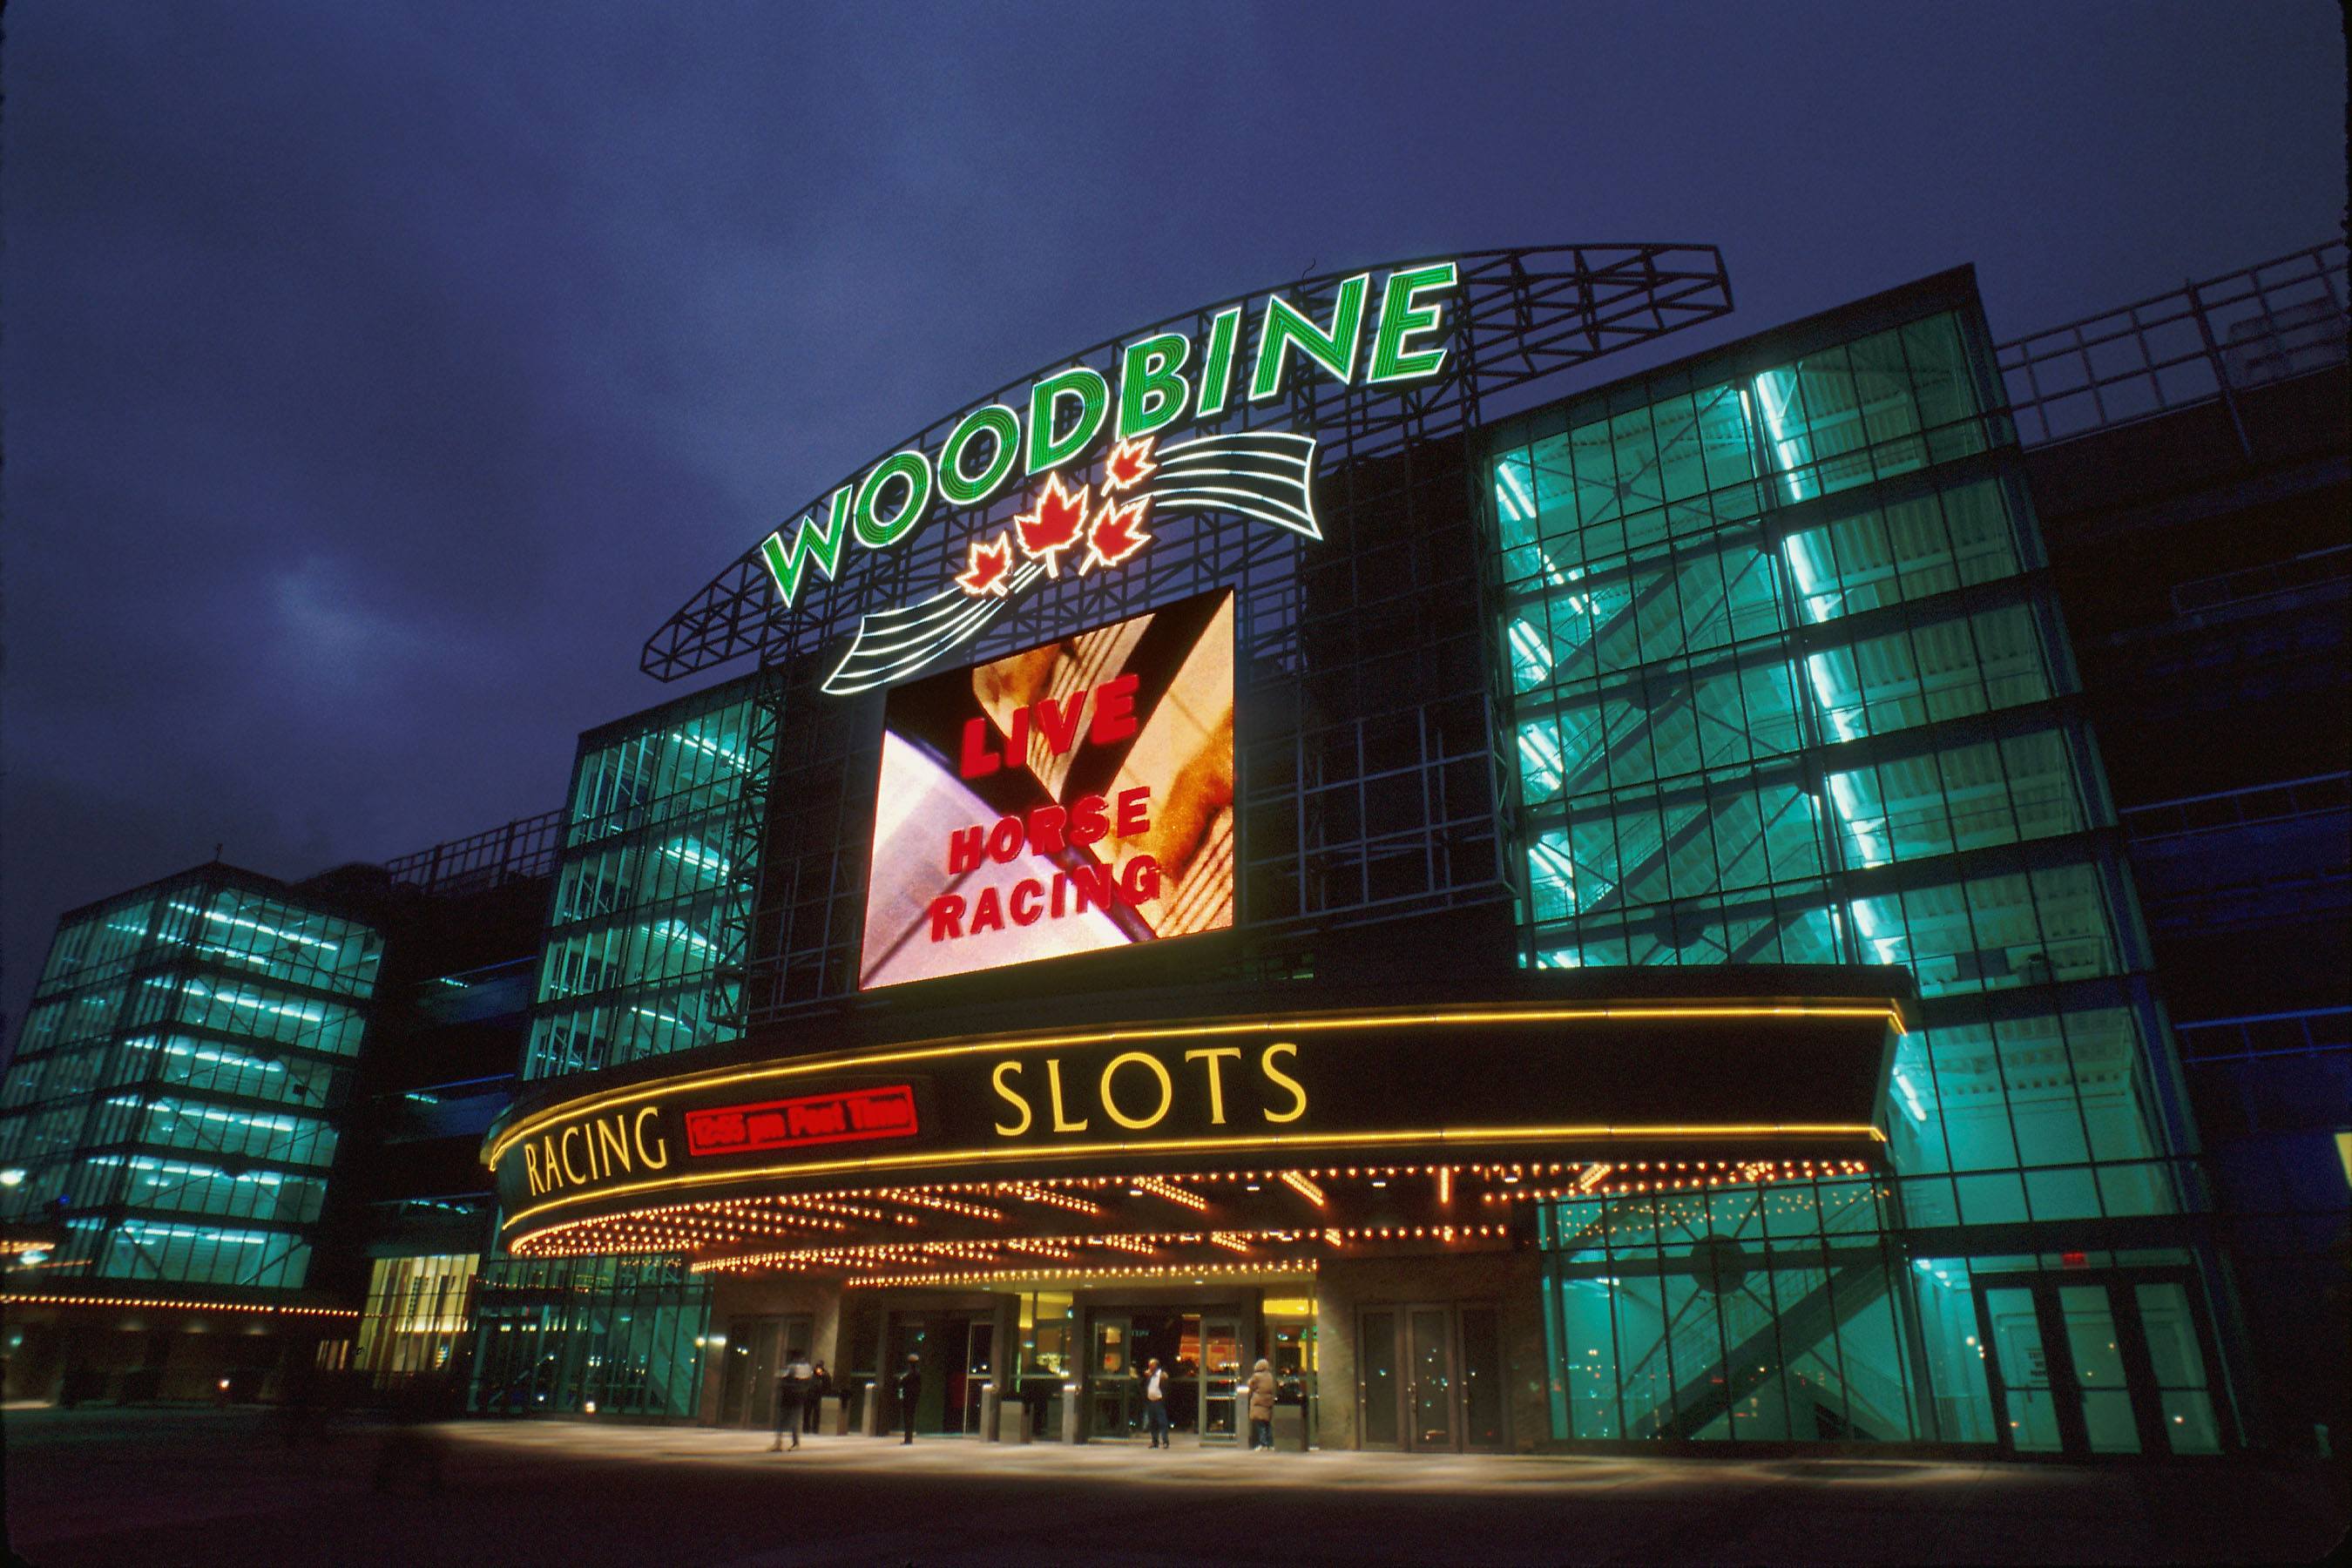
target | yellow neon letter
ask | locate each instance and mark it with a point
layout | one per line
(997, 1078)
(563, 1144)
(1216, 1077)
(1167, 1089)
(657, 1156)
(611, 1138)
(1054, 1089)
(1299, 1094)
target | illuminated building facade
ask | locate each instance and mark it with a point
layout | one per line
(171, 1118)
(1694, 910)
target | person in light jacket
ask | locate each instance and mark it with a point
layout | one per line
(1261, 1397)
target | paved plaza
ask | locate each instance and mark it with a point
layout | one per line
(164, 1487)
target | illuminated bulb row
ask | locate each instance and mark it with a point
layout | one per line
(1047, 1195)
(685, 1228)
(47, 1300)
(1063, 1247)
(917, 1196)
(1174, 1195)
(765, 1209)
(1751, 1175)
(1140, 1271)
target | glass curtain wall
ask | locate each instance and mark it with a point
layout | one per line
(646, 939)
(1789, 689)
(175, 1095)
(1767, 1314)
(591, 1335)
(643, 957)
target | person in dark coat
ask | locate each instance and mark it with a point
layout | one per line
(812, 1420)
(792, 1385)
(911, 1389)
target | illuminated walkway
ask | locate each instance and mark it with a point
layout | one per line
(100, 1485)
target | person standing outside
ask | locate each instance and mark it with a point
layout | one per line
(819, 1387)
(911, 1389)
(793, 1387)
(1155, 1403)
(1261, 1406)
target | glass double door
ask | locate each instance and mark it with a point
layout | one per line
(2108, 1364)
(756, 1349)
(1430, 1378)
(1199, 1356)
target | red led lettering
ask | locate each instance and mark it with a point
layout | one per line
(1024, 914)
(964, 848)
(1139, 881)
(1134, 816)
(1093, 885)
(1046, 830)
(1060, 725)
(976, 761)
(947, 917)
(987, 913)
(1114, 710)
(1004, 840)
(1087, 821)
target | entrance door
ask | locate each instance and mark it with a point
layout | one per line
(1429, 1388)
(979, 1360)
(1220, 1378)
(2111, 1363)
(1430, 1378)
(756, 1349)
(1110, 1377)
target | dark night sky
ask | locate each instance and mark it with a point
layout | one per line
(378, 376)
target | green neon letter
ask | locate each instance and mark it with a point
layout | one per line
(1152, 390)
(966, 490)
(1217, 370)
(1335, 351)
(916, 470)
(785, 566)
(1093, 393)
(1402, 319)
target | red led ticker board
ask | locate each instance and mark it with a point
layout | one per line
(852, 1116)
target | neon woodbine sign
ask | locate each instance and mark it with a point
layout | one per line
(1137, 423)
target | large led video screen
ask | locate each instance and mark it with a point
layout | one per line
(1072, 797)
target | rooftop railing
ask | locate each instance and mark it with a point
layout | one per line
(2277, 802)
(523, 847)
(2203, 343)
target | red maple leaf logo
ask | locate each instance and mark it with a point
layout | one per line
(991, 564)
(1118, 532)
(1055, 526)
(1129, 465)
